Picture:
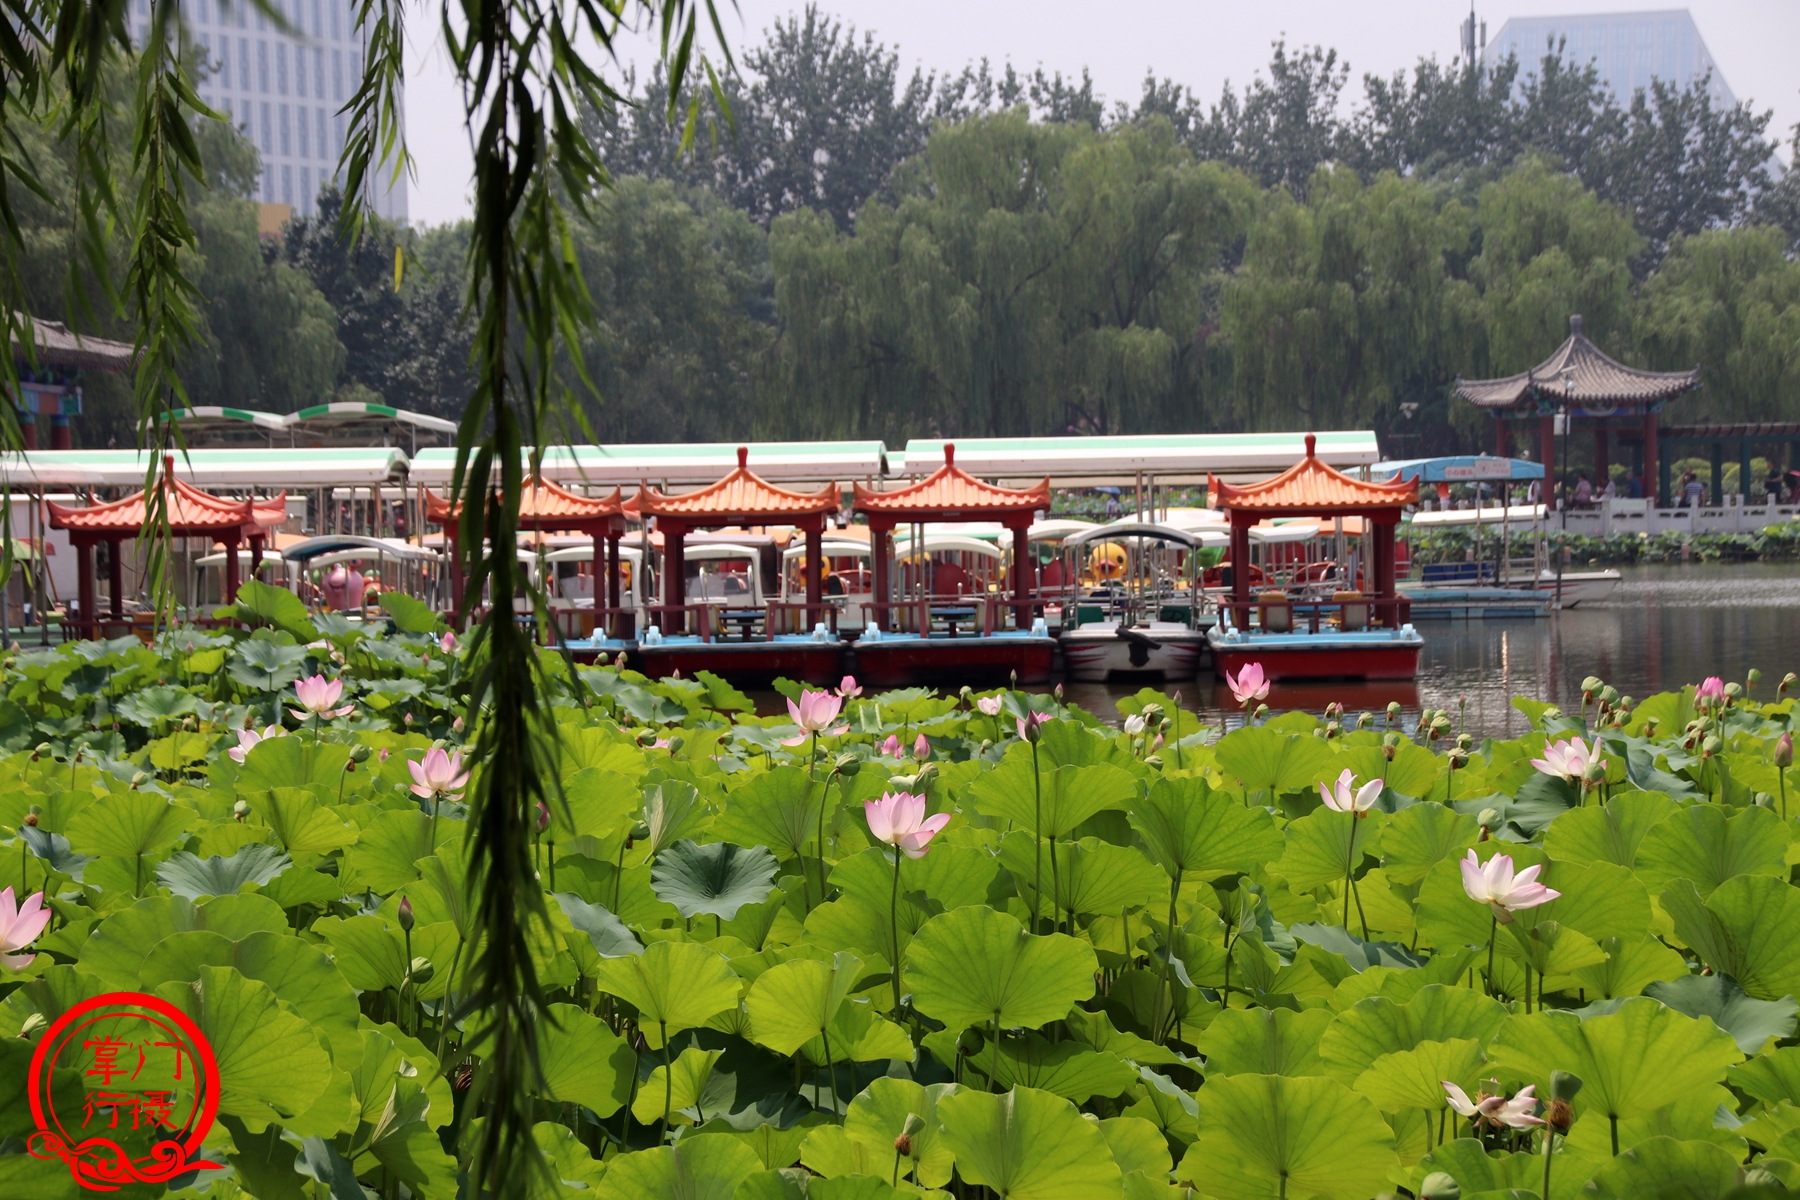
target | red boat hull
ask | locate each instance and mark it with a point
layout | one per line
(756, 663)
(913, 662)
(1360, 662)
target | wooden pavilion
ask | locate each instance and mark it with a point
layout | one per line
(1580, 382)
(191, 513)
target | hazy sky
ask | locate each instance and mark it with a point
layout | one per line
(1199, 45)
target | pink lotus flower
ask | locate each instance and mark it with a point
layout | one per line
(1520, 1111)
(899, 819)
(384, 754)
(814, 715)
(440, 776)
(317, 696)
(447, 643)
(1484, 1106)
(1568, 760)
(20, 926)
(1710, 693)
(849, 689)
(1250, 686)
(891, 747)
(989, 705)
(921, 749)
(1339, 798)
(1030, 725)
(247, 738)
(1495, 885)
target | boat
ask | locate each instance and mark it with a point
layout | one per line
(1135, 609)
(1578, 587)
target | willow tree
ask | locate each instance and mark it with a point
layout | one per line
(526, 68)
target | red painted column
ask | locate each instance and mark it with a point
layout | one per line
(1650, 475)
(231, 567)
(1024, 574)
(878, 566)
(815, 567)
(84, 587)
(1547, 451)
(115, 577)
(674, 565)
(612, 572)
(1240, 570)
(1602, 458)
(1502, 443)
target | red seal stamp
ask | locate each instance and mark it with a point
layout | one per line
(123, 1089)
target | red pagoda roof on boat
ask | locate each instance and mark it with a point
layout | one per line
(543, 506)
(741, 498)
(1311, 488)
(191, 512)
(951, 493)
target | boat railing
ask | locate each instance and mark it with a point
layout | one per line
(685, 620)
(785, 618)
(1388, 613)
(901, 616)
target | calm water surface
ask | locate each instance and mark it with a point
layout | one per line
(1662, 627)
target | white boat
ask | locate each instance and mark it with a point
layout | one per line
(1102, 650)
(1145, 623)
(1580, 587)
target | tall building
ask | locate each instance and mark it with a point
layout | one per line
(1627, 49)
(284, 91)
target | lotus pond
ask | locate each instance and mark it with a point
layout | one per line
(967, 945)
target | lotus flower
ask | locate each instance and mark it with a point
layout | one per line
(891, 747)
(440, 776)
(899, 819)
(20, 926)
(1339, 798)
(1569, 760)
(1250, 686)
(1029, 726)
(1134, 724)
(248, 738)
(317, 696)
(1710, 693)
(989, 705)
(1495, 885)
(921, 749)
(1520, 1111)
(849, 689)
(814, 715)
(447, 643)
(1483, 1106)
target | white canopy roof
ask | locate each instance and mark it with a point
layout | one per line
(260, 467)
(682, 465)
(1523, 514)
(1170, 457)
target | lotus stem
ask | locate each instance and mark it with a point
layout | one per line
(1549, 1147)
(894, 928)
(1037, 840)
(1162, 984)
(668, 1082)
(1493, 931)
(994, 1071)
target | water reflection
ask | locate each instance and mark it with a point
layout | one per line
(1663, 626)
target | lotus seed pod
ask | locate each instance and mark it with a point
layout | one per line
(1440, 1185)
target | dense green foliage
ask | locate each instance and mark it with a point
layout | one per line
(1127, 965)
(1772, 543)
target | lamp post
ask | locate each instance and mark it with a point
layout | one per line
(1562, 548)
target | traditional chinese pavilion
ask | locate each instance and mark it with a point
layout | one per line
(547, 508)
(50, 375)
(1584, 384)
(191, 513)
(906, 647)
(1298, 636)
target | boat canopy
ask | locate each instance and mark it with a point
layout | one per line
(1142, 530)
(1459, 468)
(1524, 514)
(946, 543)
(684, 464)
(1171, 458)
(829, 548)
(256, 467)
(350, 545)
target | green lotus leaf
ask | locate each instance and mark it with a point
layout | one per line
(774, 1146)
(196, 878)
(671, 810)
(951, 876)
(1415, 1078)
(386, 855)
(129, 825)
(272, 1064)
(673, 985)
(716, 879)
(1262, 1136)
(682, 1084)
(1611, 833)
(391, 1060)
(372, 953)
(115, 950)
(858, 1035)
(151, 705)
(830, 1151)
(863, 928)
(1271, 760)
(1195, 833)
(1549, 949)
(1092, 876)
(794, 1002)
(1447, 917)
(1027, 1145)
(1068, 1069)
(1264, 1041)
(1750, 1022)
(1631, 1062)
(1371, 1028)
(443, 877)
(409, 614)
(1771, 1078)
(409, 1149)
(1070, 795)
(877, 1115)
(700, 1168)
(975, 966)
(1166, 1106)
(1631, 965)
(1493, 1176)
(1702, 844)
(301, 824)
(1749, 929)
(49, 996)
(1666, 1167)
(1417, 838)
(1415, 771)
(289, 762)
(1598, 899)
(1694, 1117)
(779, 809)
(262, 603)
(596, 803)
(608, 935)
(584, 1061)
(1095, 1031)
(1137, 1145)
(1319, 844)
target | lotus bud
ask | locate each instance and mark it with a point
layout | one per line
(1625, 701)
(249, 720)
(1752, 677)
(1319, 732)
(1711, 746)
(921, 749)
(1783, 754)
(603, 658)
(1034, 732)
(1609, 695)
(1553, 713)
(407, 720)
(1458, 759)
(240, 810)
(847, 765)
(1651, 725)
(912, 1128)
(675, 745)
(384, 754)
(140, 779)
(1333, 711)
(1153, 760)
(1013, 681)
(1787, 681)
(456, 726)
(1595, 774)
(1364, 718)
(1488, 819)
(1390, 746)
(1440, 1185)
(360, 753)
(1393, 710)
(34, 816)
(420, 972)
(965, 696)
(1057, 691)
(968, 1043)
(543, 816)
(1333, 729)
(406, 914)
(42, 749)
(1732, 692)
(1152, 714)
(1262, 711)
(1464, 741)
(1763, 800)
(927, 774)
(31, 1025)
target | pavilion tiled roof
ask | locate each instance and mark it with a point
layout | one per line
(1311, 488)
(1598, 380)
(55, 345)
(741, 498)
(191, 512)
(950, 493)
(543, 506)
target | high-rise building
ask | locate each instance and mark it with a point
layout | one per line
(1628, 49)
(284, 90)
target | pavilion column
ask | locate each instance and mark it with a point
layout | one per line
(1602, 457)
(1502, 443)
(599, 565)
(1384, 572)
(1240, 570)
(257, 542)
(115, 578)
(674, 565)
(815, 565)
(84, 574)
(1024, 574)
(231, 567)
(878, 565)
(1547, 452)
(457, 582)
(612, 571)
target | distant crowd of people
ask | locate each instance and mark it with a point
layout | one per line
(1689, 492)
